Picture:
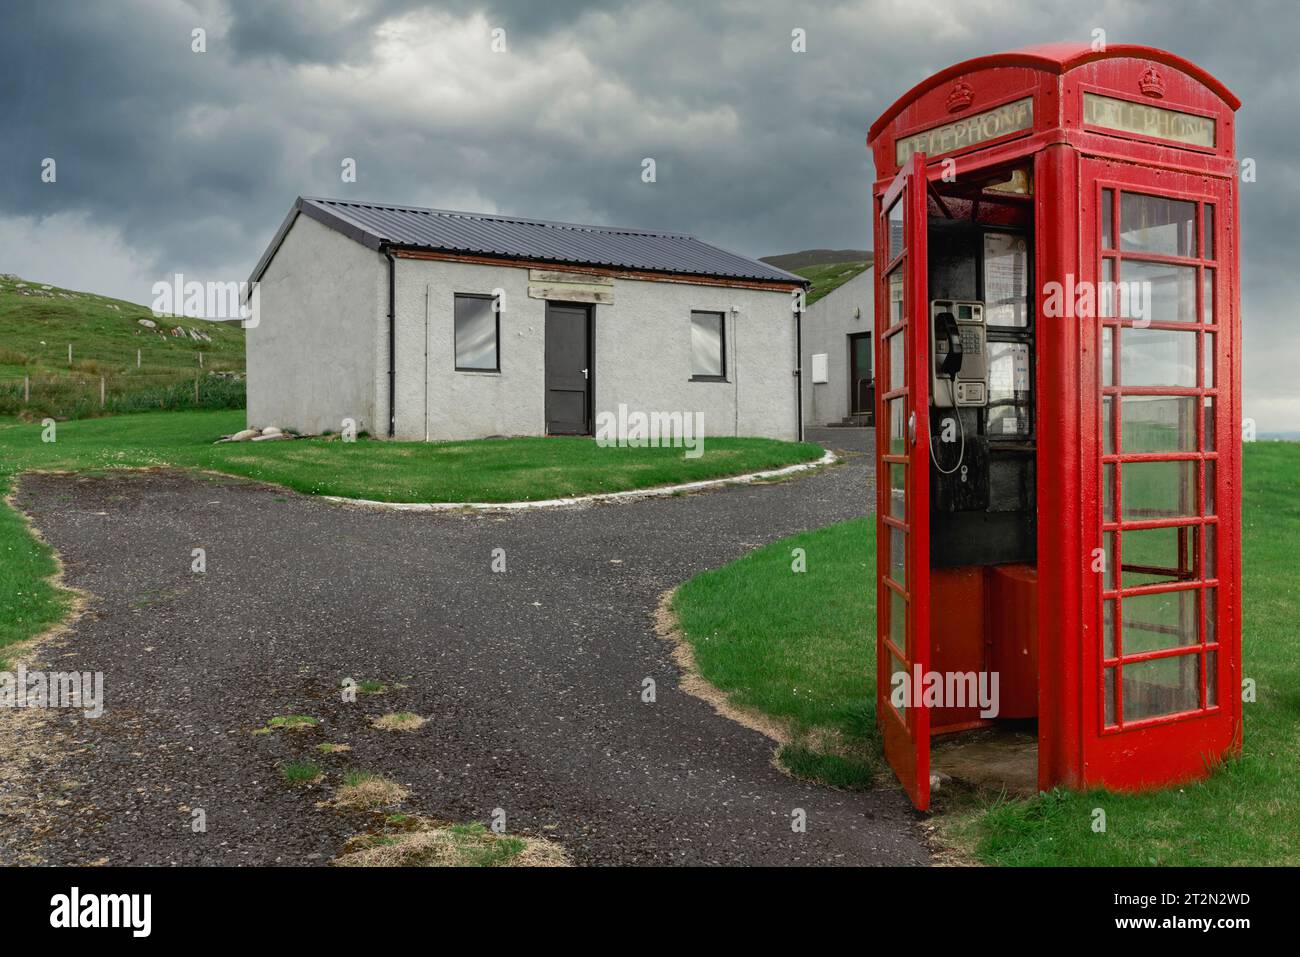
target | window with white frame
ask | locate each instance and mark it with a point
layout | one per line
(478, 331)
(708, 346)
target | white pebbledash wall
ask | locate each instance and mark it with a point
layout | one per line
(320, 352)
(322, 320)
(642, 356)
(827, 325)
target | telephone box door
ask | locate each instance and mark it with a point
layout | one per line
(903, 479)
(1164, 390)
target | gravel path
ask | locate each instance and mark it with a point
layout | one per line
(531, 679)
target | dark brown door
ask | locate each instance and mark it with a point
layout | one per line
(568, 369)
(863, 394)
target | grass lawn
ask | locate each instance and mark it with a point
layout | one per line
(818, 671)
(498, 470)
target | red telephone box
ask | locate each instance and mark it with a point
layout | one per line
(1058, 450)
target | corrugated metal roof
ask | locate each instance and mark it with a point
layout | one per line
(510, 237)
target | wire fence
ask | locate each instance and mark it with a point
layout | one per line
(82, 396)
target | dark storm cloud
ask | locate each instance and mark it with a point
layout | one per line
(307, 31)
(174, 160)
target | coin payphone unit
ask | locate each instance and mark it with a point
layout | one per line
(959, 355)
(1058, 481)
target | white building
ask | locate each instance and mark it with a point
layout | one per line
(839, 360)
(427, 324)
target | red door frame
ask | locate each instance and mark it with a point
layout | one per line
(907, 736)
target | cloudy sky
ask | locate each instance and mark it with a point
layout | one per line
(174, 161)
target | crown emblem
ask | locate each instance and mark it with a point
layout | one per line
(960, 97)
(1152, 83)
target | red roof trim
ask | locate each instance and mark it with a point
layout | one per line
(1055, 58)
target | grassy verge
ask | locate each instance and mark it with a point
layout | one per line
(489, 471)
(817, 668)
(813, 673)
(29, 601)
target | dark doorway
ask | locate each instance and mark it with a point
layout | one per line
(862, 385)
(568, 369)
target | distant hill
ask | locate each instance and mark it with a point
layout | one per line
(827, 269)
(39, 321)
(829, 277)
(793, 262)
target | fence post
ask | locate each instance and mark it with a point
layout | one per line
(200, 360)
(27, 390)
(196, 390)
(101, 392)
(69, 355)
(137, 358)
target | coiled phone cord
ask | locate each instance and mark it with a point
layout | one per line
(961, 457)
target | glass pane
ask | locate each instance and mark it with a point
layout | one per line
(1111, 578)
(1209, 424)
(1158, 292)
(1211, 679)
(1107, 355)
(898, 490)
(1155, 490)
(1162, 686)
(1158, 423)
(1108, 628)
(1107, 426)
(897, 620)
(1105, 296)
(897, 361)
(896, 296)
(896, 667)
(1211, 616)
(706, 344)
(1009, 393)
(1163, 620)
(1006, 280)
(1157, 357)
(476, 333)
(895, 227)
(1108, 493)
(1154, 224)
(1207, 234)
(1110, 697)
(897, 426)
(1207, 296)
(1211, 553)
(898, 555)
(1107, 217)
(1209, 487)
(1156, 555)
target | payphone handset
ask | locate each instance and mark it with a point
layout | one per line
(958, 357)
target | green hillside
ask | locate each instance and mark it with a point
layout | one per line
(827, 277)
(38, 322)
